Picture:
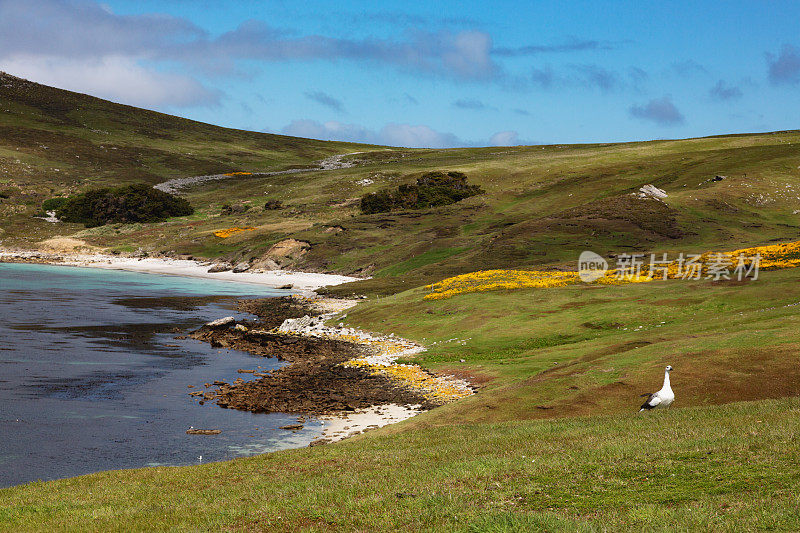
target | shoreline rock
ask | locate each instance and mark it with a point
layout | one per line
(332, 370)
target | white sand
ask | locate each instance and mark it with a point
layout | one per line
(340, 427)
(181, 267)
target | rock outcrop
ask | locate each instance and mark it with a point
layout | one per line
(219, 267)
(282, 254)
(241, 267)
(651, 191)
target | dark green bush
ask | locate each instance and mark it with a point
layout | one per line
(432, 189)
(377, 202)
(273, 204)
(54, 204)
(134, 203)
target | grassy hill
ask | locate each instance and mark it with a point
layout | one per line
(552, 440)
(55, 142)
(543, 204)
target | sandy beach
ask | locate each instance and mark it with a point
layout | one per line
(302, 281)
(339, 427)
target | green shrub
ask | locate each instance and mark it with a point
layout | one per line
(134, 203)
(432, 189)
(377, 202)
(54, 204)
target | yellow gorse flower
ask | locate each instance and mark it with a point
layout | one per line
(225, 233)
(437, 389)
(238, 174)
(491, 280)
(771, 257)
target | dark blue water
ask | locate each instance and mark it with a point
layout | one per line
(92, 377)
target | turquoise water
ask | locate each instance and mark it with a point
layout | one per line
(92, 376)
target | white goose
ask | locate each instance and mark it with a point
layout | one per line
(662, 398)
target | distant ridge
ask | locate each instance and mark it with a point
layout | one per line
(77, 133)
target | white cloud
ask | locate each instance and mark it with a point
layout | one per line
(505, 138)
(87, 29)
(406, 135)
(659, 110)
(468, 54)
(329, 131)
(784, 68)
(417, 136)
(116, 78)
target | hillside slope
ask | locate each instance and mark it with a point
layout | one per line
(90, 139)
(55, 142)
(543, 204)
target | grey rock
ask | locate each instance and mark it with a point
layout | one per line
(221, 322)
(651, 191)
(219, 267)
(241, 267)
(269, 264)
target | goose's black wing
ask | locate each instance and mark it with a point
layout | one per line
(649, 403)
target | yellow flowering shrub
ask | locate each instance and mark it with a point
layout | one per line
(238, 174)
(225, 233)
(491, 280)
(771, 257)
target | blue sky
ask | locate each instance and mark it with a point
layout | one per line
(441, 74)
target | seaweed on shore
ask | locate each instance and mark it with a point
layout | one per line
(314, 382)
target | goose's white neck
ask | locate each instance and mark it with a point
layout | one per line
(666, 381)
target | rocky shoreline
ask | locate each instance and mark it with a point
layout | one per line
(346, 377)
(332, 372)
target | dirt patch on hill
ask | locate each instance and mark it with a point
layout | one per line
(648, 214)
(283, 253)
(62, 245)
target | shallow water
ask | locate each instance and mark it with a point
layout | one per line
(92, 377)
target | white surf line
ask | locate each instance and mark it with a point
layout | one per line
(302, 281)
(329, 163)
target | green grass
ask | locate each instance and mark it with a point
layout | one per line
(425, 258)
(586, 349)
(730, 468)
